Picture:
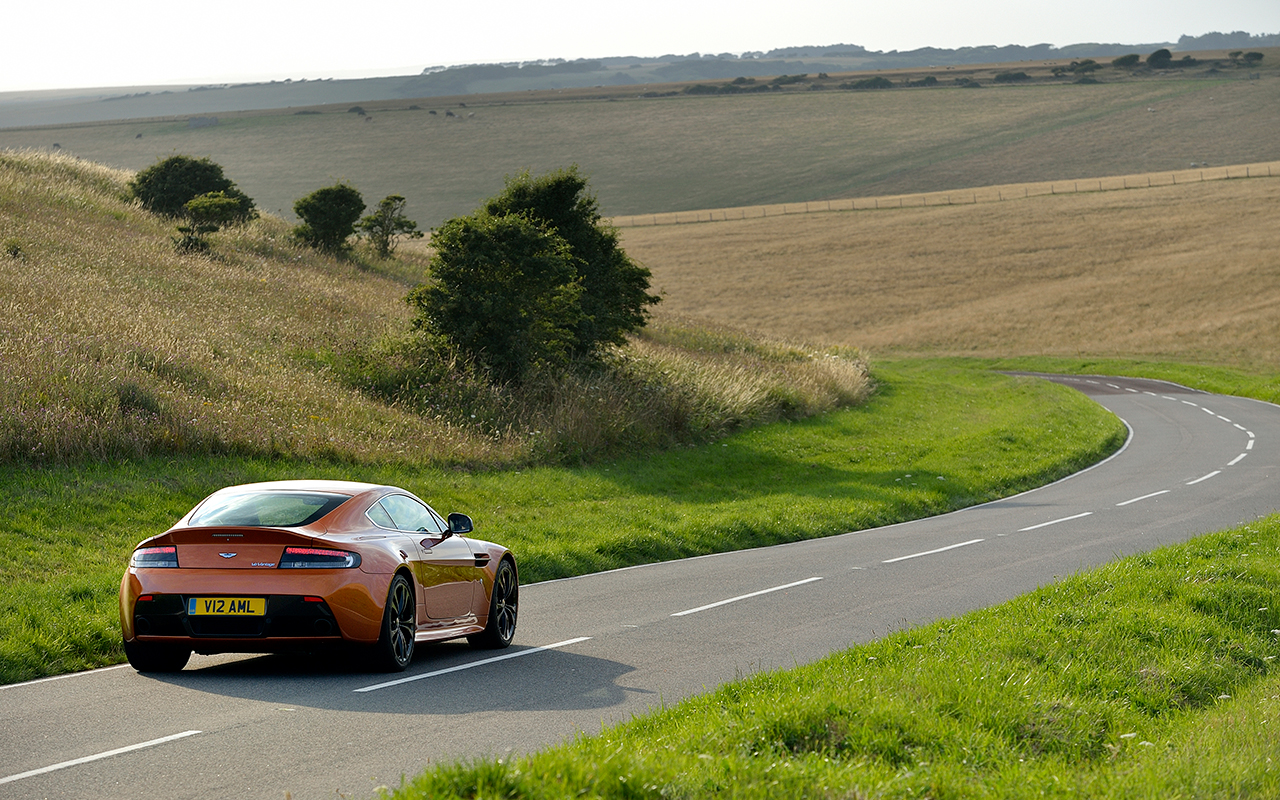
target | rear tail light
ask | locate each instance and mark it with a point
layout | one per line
(317, 558)
(150, 557)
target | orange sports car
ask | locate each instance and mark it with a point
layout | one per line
(287, 565)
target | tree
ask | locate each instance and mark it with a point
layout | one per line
(615, 289)
(386, 223)
(208, 214)
(505, 292)
(166, 186)
(329, 216)
(1160, 59)
(1251, 58)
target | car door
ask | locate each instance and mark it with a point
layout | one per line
(445, 567)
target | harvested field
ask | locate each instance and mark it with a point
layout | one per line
(1180, 271)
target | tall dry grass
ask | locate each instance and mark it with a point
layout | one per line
(114, 345)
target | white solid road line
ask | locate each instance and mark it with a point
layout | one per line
(99, 756)
(472, 664)
(743, 597)
(1054, 522)
(931, 552)
(1144, 497)
(60, 677)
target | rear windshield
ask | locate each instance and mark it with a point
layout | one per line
(267, 509)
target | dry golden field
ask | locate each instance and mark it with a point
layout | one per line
(1187, 272)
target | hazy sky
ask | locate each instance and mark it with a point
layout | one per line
(76, 43)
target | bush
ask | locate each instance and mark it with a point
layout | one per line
(615, 289)
(1126, 62)
(532, 280)
(505, 293)
(868, 83)
(167, 186)
(219, 208)
(328, 216)
(386, 223)
(1012, 77)
(1160, 59)
(208, 214)
(1252, 58)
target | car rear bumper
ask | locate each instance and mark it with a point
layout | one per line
(342, 607)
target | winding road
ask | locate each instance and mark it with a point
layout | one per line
(595, 650)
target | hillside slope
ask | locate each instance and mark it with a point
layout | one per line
(113, 344)
(656, 154)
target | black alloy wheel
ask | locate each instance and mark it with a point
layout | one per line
(399, 624)
(503, 605)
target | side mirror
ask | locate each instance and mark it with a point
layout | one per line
(460, 523)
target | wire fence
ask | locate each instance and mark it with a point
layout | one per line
(986, 194)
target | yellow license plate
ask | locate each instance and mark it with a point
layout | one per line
(227, 606)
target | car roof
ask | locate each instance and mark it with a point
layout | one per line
(337, 487)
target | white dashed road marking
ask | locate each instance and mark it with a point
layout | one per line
(1054, 522)
(931, 552)
(98, 757)
(1144, 497)
(743, 597)
(472, 664)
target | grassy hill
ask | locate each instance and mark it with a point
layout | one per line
(112, 344)
(679, 152)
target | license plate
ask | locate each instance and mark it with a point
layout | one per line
(227, 606)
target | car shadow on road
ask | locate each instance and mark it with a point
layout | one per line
(541, 680)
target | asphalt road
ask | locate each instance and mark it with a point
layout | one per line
(598, 649)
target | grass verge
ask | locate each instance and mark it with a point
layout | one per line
(1150, 677)
(935, 437)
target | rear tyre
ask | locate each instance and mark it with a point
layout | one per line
(156, 657)
(394, 650)
(503, 605)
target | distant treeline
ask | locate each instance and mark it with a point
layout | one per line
(671, 68)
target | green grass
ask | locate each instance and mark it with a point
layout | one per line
(1153, 677)
(66, 531)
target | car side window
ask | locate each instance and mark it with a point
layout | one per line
(410, 515)
(379, 516)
